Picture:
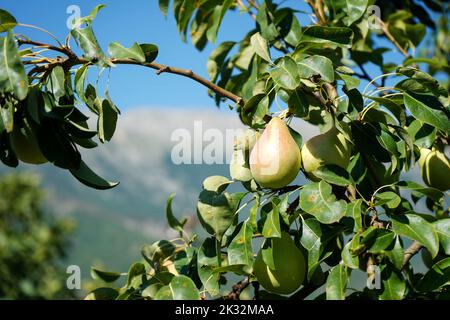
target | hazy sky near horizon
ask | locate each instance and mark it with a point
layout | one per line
(142, 21)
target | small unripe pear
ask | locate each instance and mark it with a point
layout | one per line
(275, 158)
(328, 148)
(435, 168)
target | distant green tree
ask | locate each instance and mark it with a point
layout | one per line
(31, 242)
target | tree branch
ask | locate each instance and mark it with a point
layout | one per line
(63, 50)
(317, 7)
(387, 33)
(237, 289)
(73, 60)
(414, 248)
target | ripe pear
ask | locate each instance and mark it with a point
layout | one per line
(25, 145)
(328, 148)
(435, 168)
(275, 159)
(289, 266)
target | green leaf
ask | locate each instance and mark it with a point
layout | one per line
(349, 259)
(388, 198)
(298, 103)
(87, 41)
(174, 223)
(106, 276)
(316, 65)
(12, 73)
(436, 277)
(102, 294)
(150, 51)
(426, 109)
(7, 21)
(107, 120)
(117, 51)
(342, 37)
(264, 20)
(396, 254)
(217, 58)
(152, 286)
(253, 106)
(164, 6)
(206, 261)
(179, 288)
(378, 239)
(432, 193)
(259, 45)
(354, 210)
(311, 234)
(417, 228)
(56, 82)
(216, 18)
(92, 15)
(286, 73)
(333, 174)
(442, 228)
(272, 228)
(217, 211)
(7, 116)
(422, 134)
(216, 183)
(393, 284)
(79, 79)
(355, 10)
(88, 177)
(239, 166)
(136, 269)
(240, 248)
(350, 82)
(318, 200)
(157, 251)
(295, 33)
(337, 282)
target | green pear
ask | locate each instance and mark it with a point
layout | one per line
(435, 168)
(328, 148)
(275, 159)
(289, 266)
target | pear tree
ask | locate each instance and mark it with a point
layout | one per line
(357, 209)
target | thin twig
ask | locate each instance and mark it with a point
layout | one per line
(244, 8)
(410, 252)
(387, 33)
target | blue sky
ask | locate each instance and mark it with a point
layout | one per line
(141, 21)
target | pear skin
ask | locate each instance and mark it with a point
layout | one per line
(435, 168)
(328, 148)
(275, 159)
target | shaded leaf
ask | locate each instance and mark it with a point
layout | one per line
(88, 177)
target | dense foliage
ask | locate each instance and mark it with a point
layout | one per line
(32, 242)
(355, 212)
